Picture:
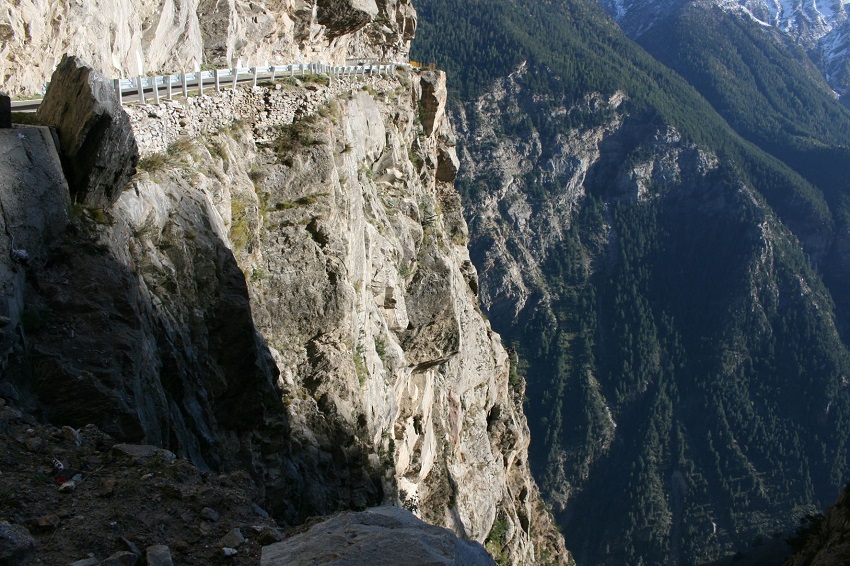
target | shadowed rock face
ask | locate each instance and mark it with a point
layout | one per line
(381, 536)
(433, 99)
(34, 204)
(345, 16)
(97, 144)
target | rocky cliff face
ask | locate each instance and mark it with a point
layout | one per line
(130, 37)
(824, 539)
(296, 300)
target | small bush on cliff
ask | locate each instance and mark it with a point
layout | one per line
(495, 542)
(303, 201)
(240, 229)
(292, 137)
(409, 502)
(381, 348)
(171, 157)
(331, 111)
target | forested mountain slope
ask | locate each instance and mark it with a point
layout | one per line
(820, 28)
(660, 278)
(773, 95)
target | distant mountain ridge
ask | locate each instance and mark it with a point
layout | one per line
(821, 27)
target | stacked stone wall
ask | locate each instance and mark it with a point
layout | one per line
(266, 108)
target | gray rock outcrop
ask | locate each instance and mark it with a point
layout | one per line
(97, 144)
(381, 536)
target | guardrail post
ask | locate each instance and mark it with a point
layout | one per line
(183, 84)
(141, 90)
(201, 83)
(215, 76)
(5, 111)
(235, 72)
(155, 90)
(274, 70)
(117, 83)
(254, 69)
(168, 91)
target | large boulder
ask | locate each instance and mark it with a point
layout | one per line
(99, 151)
(376, 537)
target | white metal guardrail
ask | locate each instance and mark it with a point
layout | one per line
(141, 89)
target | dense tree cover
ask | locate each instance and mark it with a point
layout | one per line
(759, 80)
(688, 390)
(769, 92)
(476, 42)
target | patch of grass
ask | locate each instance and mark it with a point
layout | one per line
(416, 159)
(303, 201)
(381, 348)
(171, 157)
(403, 77)
(316, 79)
(387, 454)
(360, 365)
(331, 111)
(240, 229)
(237, 125)
(89, 215)
(367, 171)
(215, 149)
(496, 540)
(152, 163)
(295, 136)
(259, 274)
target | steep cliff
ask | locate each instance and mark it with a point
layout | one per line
(286, 289)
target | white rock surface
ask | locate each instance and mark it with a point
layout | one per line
(131, 37)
